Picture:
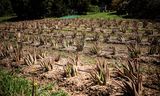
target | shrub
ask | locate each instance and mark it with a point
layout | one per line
(93, 8)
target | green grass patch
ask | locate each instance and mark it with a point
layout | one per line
(102, 15)
(70, 17)
(11, 85)
(5, 18)
(59, 93)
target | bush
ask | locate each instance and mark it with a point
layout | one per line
(93, 8)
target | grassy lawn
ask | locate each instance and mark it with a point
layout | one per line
(5, 18)
(102, 15)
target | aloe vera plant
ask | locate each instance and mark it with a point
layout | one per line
(30, 59)
(106, 37)
(46, 64)
(96, 36)
(154, 46)
(6, 50)
(54, 44)
(95, 49)
(74, 35)
(43, 54)
(101, 74)
(70, 69)
(42, 40)
(80, 45)
(83, 35)
(18, 52)
(133, 50)
(66, 43)
(18, 36)
(131, 78)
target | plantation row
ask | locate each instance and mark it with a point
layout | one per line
(81, 34)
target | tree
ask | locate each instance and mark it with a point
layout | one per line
(141, 8)
(5, 7)
(38, 8)
(22, 8)
(59, 8)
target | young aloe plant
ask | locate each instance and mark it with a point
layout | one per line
(30, 59)
(70, 69)
(54, 44)
(95, 49)
(154, 46)
(66, 43)
(131, 88)
(106, 37)
(74, 35)
(96, 36)
(101, 74)
(133, 50)
(47, 64)
(18, 52)
(131, 78)
(6, 50)
(43, 55)
(42, 40)
(83, 35)
(80, 45)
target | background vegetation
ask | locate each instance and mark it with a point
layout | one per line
(57, 8)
